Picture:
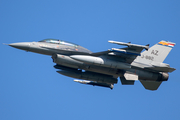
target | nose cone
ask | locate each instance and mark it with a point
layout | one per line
(22, 45)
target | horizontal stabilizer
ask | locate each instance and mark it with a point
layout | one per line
(151, 85)
(161, 69)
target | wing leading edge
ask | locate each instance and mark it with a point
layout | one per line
(127, 54)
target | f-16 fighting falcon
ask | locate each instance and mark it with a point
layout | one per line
(104, 68)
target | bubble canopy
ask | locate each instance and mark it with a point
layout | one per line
(60, 42)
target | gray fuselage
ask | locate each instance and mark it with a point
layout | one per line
(62, 50)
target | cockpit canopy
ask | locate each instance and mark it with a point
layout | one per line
(60, 42)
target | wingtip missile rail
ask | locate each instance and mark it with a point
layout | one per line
(129, 44)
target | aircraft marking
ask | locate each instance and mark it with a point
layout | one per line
(155, 52)
(169, 44)
(147, 57)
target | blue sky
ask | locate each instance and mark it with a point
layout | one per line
(30, 88)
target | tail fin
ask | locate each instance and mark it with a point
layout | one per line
(156, 53)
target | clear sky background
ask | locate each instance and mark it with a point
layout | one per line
(31, 89)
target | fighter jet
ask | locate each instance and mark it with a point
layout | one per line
(104, 68)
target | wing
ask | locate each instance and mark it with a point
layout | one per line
(127, 54)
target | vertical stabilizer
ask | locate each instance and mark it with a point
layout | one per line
(156, 53)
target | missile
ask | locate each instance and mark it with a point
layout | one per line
(111, 86)
(101, 61)
(129, 44)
